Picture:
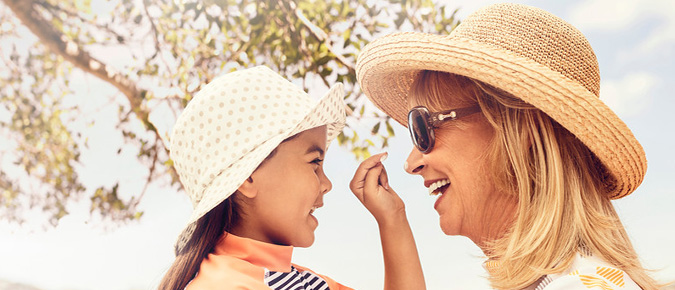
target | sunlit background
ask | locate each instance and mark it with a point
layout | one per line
(635, 44)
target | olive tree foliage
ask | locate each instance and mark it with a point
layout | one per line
(174, 48)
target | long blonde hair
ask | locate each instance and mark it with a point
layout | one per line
(560, 186)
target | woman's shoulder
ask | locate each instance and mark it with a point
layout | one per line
(588, 272)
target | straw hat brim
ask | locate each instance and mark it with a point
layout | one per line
(328, 111)
(387, 67)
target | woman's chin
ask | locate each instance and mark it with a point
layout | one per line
(449, 228)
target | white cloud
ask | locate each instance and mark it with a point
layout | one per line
(467, 7)
(606, 14)
(616, 16)
(631, 95)
(661, 38)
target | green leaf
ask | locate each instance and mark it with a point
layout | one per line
(375, 129)
(390, 130)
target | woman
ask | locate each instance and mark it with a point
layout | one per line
(511, 136)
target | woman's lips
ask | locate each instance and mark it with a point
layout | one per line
(436, 187)
(441, 194)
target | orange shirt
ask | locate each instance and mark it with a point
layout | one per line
(242, 263)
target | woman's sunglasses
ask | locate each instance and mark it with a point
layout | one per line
(422, 123)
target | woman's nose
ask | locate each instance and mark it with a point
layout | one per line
(414, 163)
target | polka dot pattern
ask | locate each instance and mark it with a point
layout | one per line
(233, 123)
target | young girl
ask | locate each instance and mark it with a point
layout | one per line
(249, 151)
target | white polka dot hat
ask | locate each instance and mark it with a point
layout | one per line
(233, 124)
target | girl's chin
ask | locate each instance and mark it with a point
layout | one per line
(306, 242)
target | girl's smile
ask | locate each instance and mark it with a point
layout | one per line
(284, 192)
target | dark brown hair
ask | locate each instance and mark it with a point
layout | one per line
(217, 222)
(209, 229)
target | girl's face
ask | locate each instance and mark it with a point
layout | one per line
(468, 204)
(285, 190)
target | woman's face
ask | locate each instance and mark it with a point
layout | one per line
(467, 201)
(285, 190)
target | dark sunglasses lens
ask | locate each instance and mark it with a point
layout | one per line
(419, 132)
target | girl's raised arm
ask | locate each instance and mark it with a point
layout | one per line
(402, 268)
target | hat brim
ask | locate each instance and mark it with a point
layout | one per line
(328, 111)
(387, 67)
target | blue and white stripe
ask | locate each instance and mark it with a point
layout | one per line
(294, 280)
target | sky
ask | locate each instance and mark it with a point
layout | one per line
(635, 45)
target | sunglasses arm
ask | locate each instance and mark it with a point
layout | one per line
(452, 114)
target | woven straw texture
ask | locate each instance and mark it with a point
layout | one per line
(525, 51)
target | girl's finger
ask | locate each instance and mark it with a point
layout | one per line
(372, 180)
(384, 179)
(363, 169)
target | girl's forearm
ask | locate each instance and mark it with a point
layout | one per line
(402, 268)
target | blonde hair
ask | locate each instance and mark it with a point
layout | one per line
(560, 186)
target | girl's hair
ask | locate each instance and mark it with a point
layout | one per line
(209, 229)
(560, 185)
(214, 224)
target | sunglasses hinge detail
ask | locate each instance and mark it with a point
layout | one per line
(450, 115)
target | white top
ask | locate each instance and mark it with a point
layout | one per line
(587, 272)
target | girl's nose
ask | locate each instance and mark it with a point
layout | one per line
(326, 185)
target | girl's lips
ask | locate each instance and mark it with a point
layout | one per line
(315, 207)
(314, 219)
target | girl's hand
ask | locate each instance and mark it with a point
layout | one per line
(371, 186)
(402, 268)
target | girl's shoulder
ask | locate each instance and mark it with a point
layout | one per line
(332, 285)
(226, 272)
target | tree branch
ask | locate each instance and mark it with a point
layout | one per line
(60, 44)
(155, 34)
(55, 9)
(72, 52)
(322, 37)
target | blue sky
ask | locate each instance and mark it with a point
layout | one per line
(635, 44)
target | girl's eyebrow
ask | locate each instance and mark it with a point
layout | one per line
(314, 148)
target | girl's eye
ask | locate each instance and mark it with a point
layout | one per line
(317, 161)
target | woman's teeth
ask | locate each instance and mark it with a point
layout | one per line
(313, 209)
(433, 188)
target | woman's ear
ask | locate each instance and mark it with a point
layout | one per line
(248, 189)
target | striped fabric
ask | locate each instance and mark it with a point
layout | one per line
(589, 272)
(294, 280)
(543, 282)
(613, 275)
(586, 272)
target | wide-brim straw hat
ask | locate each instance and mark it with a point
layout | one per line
(233, 123)
(526, 52)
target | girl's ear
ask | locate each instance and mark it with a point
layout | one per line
(248, 189)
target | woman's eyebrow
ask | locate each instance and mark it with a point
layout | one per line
(314, 148)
